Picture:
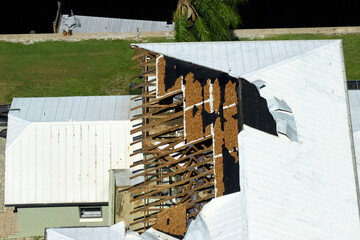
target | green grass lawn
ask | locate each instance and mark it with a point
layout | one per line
(56, 68)
(97, 67)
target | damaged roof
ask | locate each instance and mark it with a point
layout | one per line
(300, 187)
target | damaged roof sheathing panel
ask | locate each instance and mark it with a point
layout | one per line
(300, 189)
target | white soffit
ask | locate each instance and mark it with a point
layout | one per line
(236, 57)
(305, 189)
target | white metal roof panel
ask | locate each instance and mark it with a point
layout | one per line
(83, 108)
(59, 150)
(304, 189)
(68, 109)
(222, 218)
(90, 24)
(354, 102)
(237, 57)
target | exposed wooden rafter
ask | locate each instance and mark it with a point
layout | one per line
(175, 172)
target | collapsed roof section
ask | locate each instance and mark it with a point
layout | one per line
(291, 189)
(191, 121)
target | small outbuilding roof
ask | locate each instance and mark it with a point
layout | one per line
(91, 24)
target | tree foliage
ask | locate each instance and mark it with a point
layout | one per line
(206, 20)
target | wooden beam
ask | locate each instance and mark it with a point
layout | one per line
(173, 173)
(150, 137)
(144, 53)
(144, 73)
(146, 63)
(151, 124)
(144, 94)
(178, 149)
(171, 197)
(175, 184)
(150, 114)
(158, 99)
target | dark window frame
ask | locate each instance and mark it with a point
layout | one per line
(83, 209)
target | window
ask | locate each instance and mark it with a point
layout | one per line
(90, 212)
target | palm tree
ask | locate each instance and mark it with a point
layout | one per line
(206, 20)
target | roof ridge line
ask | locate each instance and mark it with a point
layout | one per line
(292, 58)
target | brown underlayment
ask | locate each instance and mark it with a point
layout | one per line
(230, 96)
(230, 128)
(194, 124)
(227, 136)
(192, 91)
(172, 220)
(206, 90)
(219, 175)
(161, 68)
(216, 95)
(218, 138)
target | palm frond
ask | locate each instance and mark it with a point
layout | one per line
(182, 33)
(201, 31)
(208, 20)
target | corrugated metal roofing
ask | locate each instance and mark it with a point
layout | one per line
(237, 57)
(89, 24)
(84, 108)
(60, 150)
(68, 109)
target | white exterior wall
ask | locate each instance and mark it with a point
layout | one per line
(305, 189)
(66, 162)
